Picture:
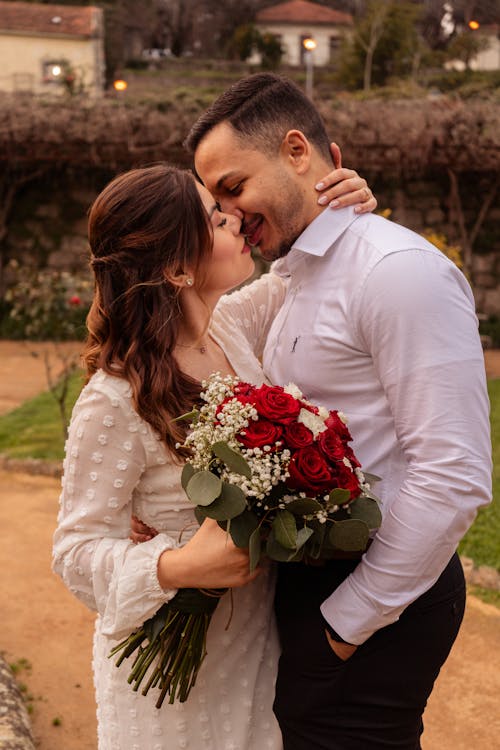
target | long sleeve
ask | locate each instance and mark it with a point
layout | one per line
(416, 319)
(252, 309)
(109, 449)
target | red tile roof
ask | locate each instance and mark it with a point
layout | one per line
(301, 11)
(36, 18)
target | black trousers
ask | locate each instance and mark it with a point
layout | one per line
(375, 699)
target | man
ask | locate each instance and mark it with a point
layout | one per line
(380, 324)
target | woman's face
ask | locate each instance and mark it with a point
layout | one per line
(231, 261)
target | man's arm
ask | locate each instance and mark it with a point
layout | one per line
(417, 321)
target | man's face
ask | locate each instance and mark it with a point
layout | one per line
(259, 188)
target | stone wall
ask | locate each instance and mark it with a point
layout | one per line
(48, 224)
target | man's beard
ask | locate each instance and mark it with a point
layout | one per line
(281, 218)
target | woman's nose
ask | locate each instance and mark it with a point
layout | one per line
(234, 223)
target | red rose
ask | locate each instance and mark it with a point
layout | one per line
(347, 480)
(335, 423)
(349, 453)
(297, 435)
(309, 472)
(244, 391)
(272, 402)
(259, 433)
(331, 445)
(75, 300)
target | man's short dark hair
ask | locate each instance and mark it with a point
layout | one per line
(262, 108)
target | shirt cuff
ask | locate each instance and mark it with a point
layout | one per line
(333, 633)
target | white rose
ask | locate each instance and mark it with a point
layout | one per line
(313, 421)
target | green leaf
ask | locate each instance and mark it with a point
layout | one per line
(371, 478)
(275, 551)
(203, 488)
(230, 503)
(285, 529)
(242, 528)
(192, 416)
(187, 472)
(339, 497)
(303, 535)
(199, 514)
(233, 460)
(350, 536)
(254, 549)
(367, 510)
(303, 506)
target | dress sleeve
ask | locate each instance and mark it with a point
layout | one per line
(253, 308)
(105, 458)
(417, 321)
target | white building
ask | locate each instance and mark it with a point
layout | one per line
(294, 21)
(50, 49)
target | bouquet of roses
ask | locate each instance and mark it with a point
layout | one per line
(278, 474)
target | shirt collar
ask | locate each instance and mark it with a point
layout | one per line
(324, 230)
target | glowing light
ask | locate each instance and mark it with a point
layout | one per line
(473, 25)
(309, 44)
(120, 85)
(56, 70)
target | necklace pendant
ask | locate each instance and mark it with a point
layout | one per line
(203, 349)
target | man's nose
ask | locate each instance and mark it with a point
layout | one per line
(228, 207)
(234, 222)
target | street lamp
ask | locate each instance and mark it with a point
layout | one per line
(120, 85)
(309, 45)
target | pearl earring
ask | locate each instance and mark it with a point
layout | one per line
(189, 281)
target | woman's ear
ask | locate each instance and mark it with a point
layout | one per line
(179, 280)
(296, 149)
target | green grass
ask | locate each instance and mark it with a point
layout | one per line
(34, 431)
(482, 541)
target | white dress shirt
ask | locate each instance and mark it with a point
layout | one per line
(379, 324)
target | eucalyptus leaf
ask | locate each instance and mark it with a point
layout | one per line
(192, 416)
(230, 503)
(285, 529)
(303, 535)
(303, 506)
(203, 488)
(350, 536)
(233, 460)
(339, 496)
(254, 549)
(367, 510)
(187, 472)
(275, 551)
(371, 478)
(199, 514)
(242, 528)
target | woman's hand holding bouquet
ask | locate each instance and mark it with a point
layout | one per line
(278, 475)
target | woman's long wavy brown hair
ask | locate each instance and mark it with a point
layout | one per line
(145, 223)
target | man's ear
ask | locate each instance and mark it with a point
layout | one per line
(297, 151)
(336, 155)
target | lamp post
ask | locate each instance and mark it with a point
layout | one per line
(309, 45)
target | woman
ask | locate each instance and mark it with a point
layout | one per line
(163, 254)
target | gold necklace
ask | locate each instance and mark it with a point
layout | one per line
(201, 349)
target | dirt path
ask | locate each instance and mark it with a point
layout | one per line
(42, 623)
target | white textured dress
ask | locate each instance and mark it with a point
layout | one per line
(116, 465)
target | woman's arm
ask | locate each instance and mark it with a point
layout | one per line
(126, 583)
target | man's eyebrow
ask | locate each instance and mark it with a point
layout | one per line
(226, 176)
